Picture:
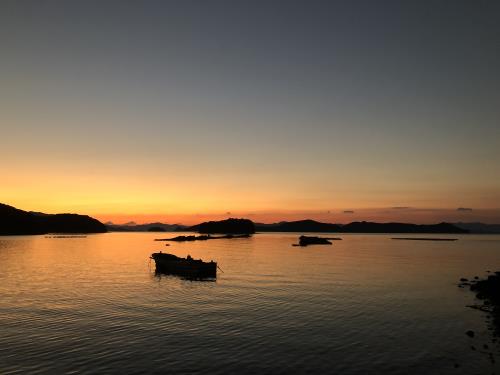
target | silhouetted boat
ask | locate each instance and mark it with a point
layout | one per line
(186, 267)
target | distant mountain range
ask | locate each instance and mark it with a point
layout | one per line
(358, 227)
(247, 226)
(151, 227)
(18, 222)
(479, 228)
(316, 226)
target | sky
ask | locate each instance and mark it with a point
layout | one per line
(184, 110)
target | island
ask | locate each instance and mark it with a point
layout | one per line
(228, 226)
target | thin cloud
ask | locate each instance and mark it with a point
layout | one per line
(464, 209)
(348, 212)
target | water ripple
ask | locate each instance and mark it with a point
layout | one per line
(363, 305)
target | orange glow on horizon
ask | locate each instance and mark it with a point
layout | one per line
(134, 192)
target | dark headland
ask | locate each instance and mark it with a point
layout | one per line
(18, 222)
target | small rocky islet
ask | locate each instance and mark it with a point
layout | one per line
(313, 240)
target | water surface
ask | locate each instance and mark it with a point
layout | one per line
(367, 304)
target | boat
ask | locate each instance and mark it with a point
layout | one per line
(187, 267)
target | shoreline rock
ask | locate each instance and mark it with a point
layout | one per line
(488, 292)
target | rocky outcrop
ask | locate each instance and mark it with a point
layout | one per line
(306, 240)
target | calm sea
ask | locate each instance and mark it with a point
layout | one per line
(365, 305)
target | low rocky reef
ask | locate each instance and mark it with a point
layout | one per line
(203, 237)
(423, 239)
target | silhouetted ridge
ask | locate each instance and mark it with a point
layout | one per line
(156, 229)
(229, 226)
(479, 227)
(17, 222)
(240, 226)
(150, 227)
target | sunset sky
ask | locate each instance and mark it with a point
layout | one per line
(179, 111)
